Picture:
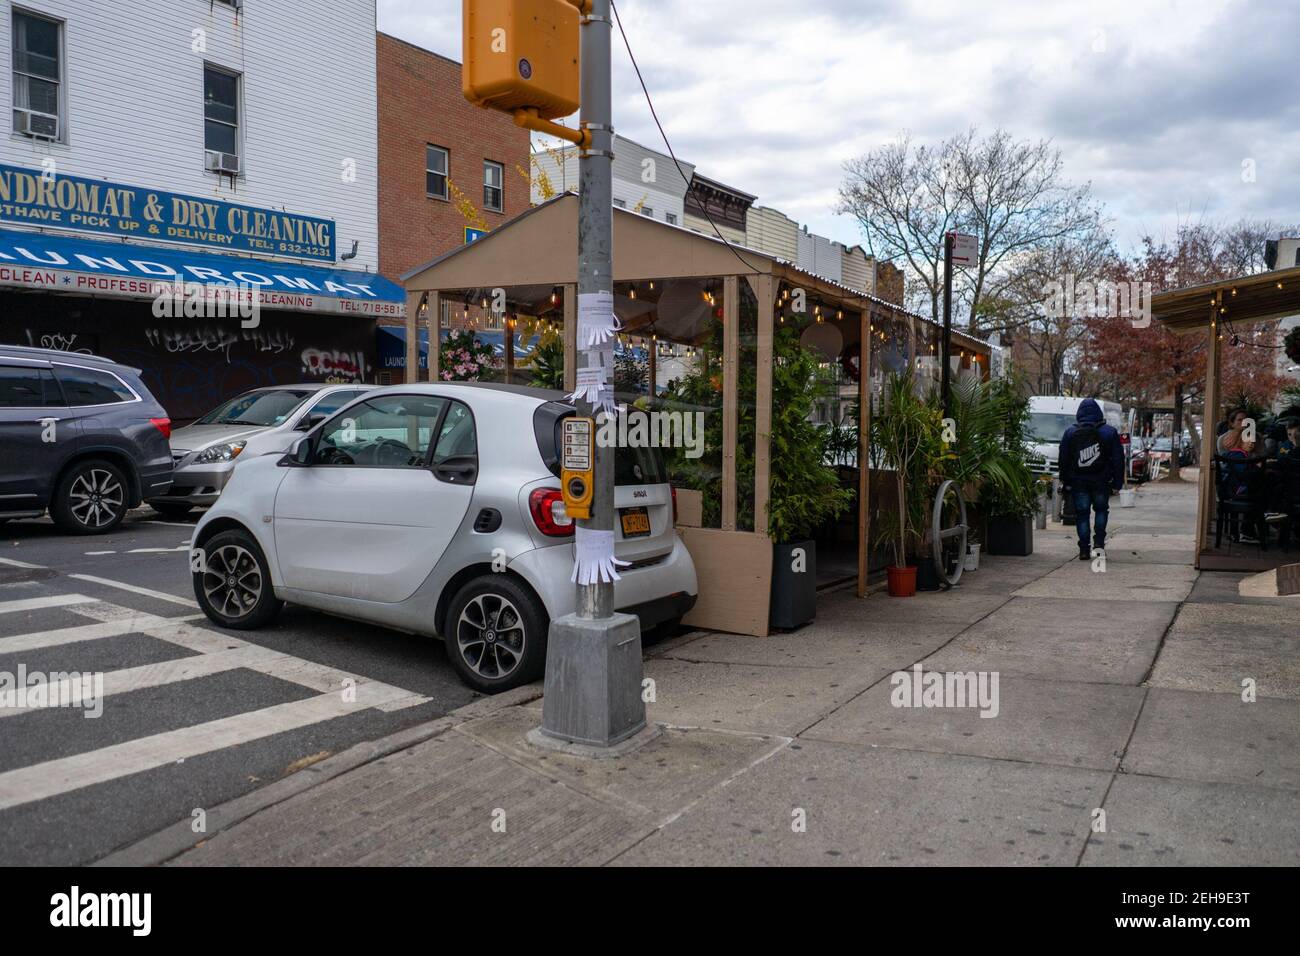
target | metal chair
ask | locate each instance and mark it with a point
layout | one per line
(1231, 475)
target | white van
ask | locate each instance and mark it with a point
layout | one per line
(1049, 417)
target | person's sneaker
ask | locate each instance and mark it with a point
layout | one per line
(1247, 539)
(1275, 517)
(1085, 553)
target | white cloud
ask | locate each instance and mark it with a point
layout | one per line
(1155, 102)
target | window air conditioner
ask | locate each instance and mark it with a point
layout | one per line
(223, 163)
(37, 125)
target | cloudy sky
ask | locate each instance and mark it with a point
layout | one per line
(1174, 110)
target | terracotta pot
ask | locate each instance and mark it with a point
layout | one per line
(902, 581)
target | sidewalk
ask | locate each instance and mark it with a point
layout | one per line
(1119, 691)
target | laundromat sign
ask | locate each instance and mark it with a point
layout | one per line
(40, 198)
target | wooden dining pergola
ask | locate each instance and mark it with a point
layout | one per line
(672, 284)
(1210, 310)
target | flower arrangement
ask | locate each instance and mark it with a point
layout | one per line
(463, 358)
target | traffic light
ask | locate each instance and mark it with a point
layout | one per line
(521, 55)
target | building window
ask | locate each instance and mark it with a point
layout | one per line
(670, 218)
(647, 211)
(38, 74)
(437, 161)
(221, 115)
(620, 204)
(493, 186)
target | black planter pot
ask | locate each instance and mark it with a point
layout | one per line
(927, 578)
(794, 592)
(1010, 535)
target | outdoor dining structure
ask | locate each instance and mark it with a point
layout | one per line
(697, 309)
(1216, 310)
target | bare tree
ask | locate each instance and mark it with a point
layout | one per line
(1009, 194)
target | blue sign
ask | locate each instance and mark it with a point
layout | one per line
(473, 235)
(90, 267)
(35, 198)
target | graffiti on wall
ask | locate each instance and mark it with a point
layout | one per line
(335, 365)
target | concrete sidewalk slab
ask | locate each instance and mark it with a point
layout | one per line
(1113, 642)
(874, 807)
(752, 698)
(1217, 738)
(1120, 582)
(1214, 647)
(1047, 722)
(435, 804)
(1222, 587)
(1156, 822)
(658, 780)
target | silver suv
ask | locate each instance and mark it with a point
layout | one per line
(80, 436)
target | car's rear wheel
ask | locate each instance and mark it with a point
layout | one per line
(91, 498)
(171, 511)
(496, 634)
(234, 586)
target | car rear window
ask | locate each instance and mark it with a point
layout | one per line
(84, 386)
(632, 466)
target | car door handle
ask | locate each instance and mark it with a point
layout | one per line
(456, 472)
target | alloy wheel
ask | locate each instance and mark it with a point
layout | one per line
(232, 580)
(490, 636)
(96, 498)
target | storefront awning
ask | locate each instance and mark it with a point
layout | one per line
(71, 265)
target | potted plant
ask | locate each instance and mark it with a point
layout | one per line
(906, 434)
(462, 358)
(805, 492)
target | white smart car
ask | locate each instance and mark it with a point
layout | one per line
(435, 509)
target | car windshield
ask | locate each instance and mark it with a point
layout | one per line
(1048, 426)
(260, 408)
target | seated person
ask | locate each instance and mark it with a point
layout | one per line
(1288, 445)
(1230, 436)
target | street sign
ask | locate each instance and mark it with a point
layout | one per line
(965, 249)
(473, 235)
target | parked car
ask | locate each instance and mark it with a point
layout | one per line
(81, 437)
(436, 509)
(263, 421)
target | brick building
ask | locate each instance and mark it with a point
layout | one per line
(432, 142)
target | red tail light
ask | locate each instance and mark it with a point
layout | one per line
(547, 507)
(164, 425)
(674, 491)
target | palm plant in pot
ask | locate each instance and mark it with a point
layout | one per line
(907, 436)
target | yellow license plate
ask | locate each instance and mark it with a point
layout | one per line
(636, 522)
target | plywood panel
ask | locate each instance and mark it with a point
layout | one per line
(690, 508)
(734, 570)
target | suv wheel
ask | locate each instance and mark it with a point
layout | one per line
(496, 634)
(91, 498)
(234, 587)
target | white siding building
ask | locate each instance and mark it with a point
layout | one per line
(645, 180)
(224, 143)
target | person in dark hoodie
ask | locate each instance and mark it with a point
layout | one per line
(1091, 462)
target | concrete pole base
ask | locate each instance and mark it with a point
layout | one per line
(539, 738)
(593, 681)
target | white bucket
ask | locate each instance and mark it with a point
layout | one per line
(1127, 498)
(972, 562)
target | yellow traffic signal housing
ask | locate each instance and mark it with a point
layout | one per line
(521, 55)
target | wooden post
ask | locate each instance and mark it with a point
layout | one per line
(765, 292)
(412, 371)
(653, 370)
(864, 446)
(730, 418)
(1209, 440)
(435, 335)
(570, 337)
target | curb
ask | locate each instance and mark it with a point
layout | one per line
(172, 841)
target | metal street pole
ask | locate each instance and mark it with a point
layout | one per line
(592, 700)
(596, 254)
(948, 240)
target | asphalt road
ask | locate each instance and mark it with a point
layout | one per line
(192, 715)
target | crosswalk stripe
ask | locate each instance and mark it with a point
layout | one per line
(136, 589)
(44, 780)
(92, 632)
(123, 681)
(36, 604)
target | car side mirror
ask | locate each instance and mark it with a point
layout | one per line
(299, 455)
(310, 422)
